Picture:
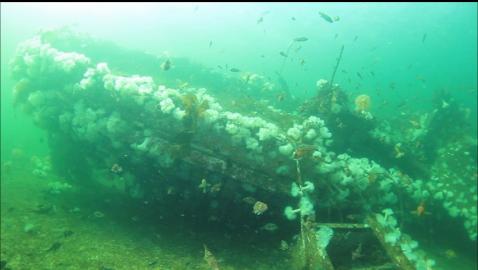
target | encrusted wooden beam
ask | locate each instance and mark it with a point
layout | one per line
(394, 252)
(345, 225)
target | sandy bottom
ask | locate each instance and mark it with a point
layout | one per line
(40, 230)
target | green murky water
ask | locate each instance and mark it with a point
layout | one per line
(239, 136)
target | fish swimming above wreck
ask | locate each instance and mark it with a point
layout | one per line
(326, 17)
(300, 39)
(219, 138)
(166, 65)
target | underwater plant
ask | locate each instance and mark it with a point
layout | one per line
(194, 110)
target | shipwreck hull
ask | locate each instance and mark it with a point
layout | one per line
(113, 111)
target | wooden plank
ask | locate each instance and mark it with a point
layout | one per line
(345, 225)
(394, 252)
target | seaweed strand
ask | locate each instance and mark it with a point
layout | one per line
(336, 66)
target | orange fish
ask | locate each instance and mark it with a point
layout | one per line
(420, 210)
(303, 150)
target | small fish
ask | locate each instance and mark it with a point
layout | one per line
(270, 227)
(354, 217)
(196, 8)
(373, 73)
(216, 188)
(43, 208)
(355, 38)
(249, 200)
(54, 247)
(67, 233)
(152, 263)
(357, 253)
(415, 124)
(210, 44)
(204, 185)
(293, 18)
(336, 18)
(98, 214)
(219, 66)
(336, 35)
(283, 245)
(302, 62)
(300, 39)
(166, 65)
(450, 254)
(234, 70)
(303, 151)
(424, 37)
(420, 78)
(402, 104)
(359, 75)
(420, 210)
(283, 54)
(444, 104)
(298, 48)
(326, 17)
(261, 19)
(247, 77)
(398, 152)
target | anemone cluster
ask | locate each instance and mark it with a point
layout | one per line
(396, 238)
(73, 96)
